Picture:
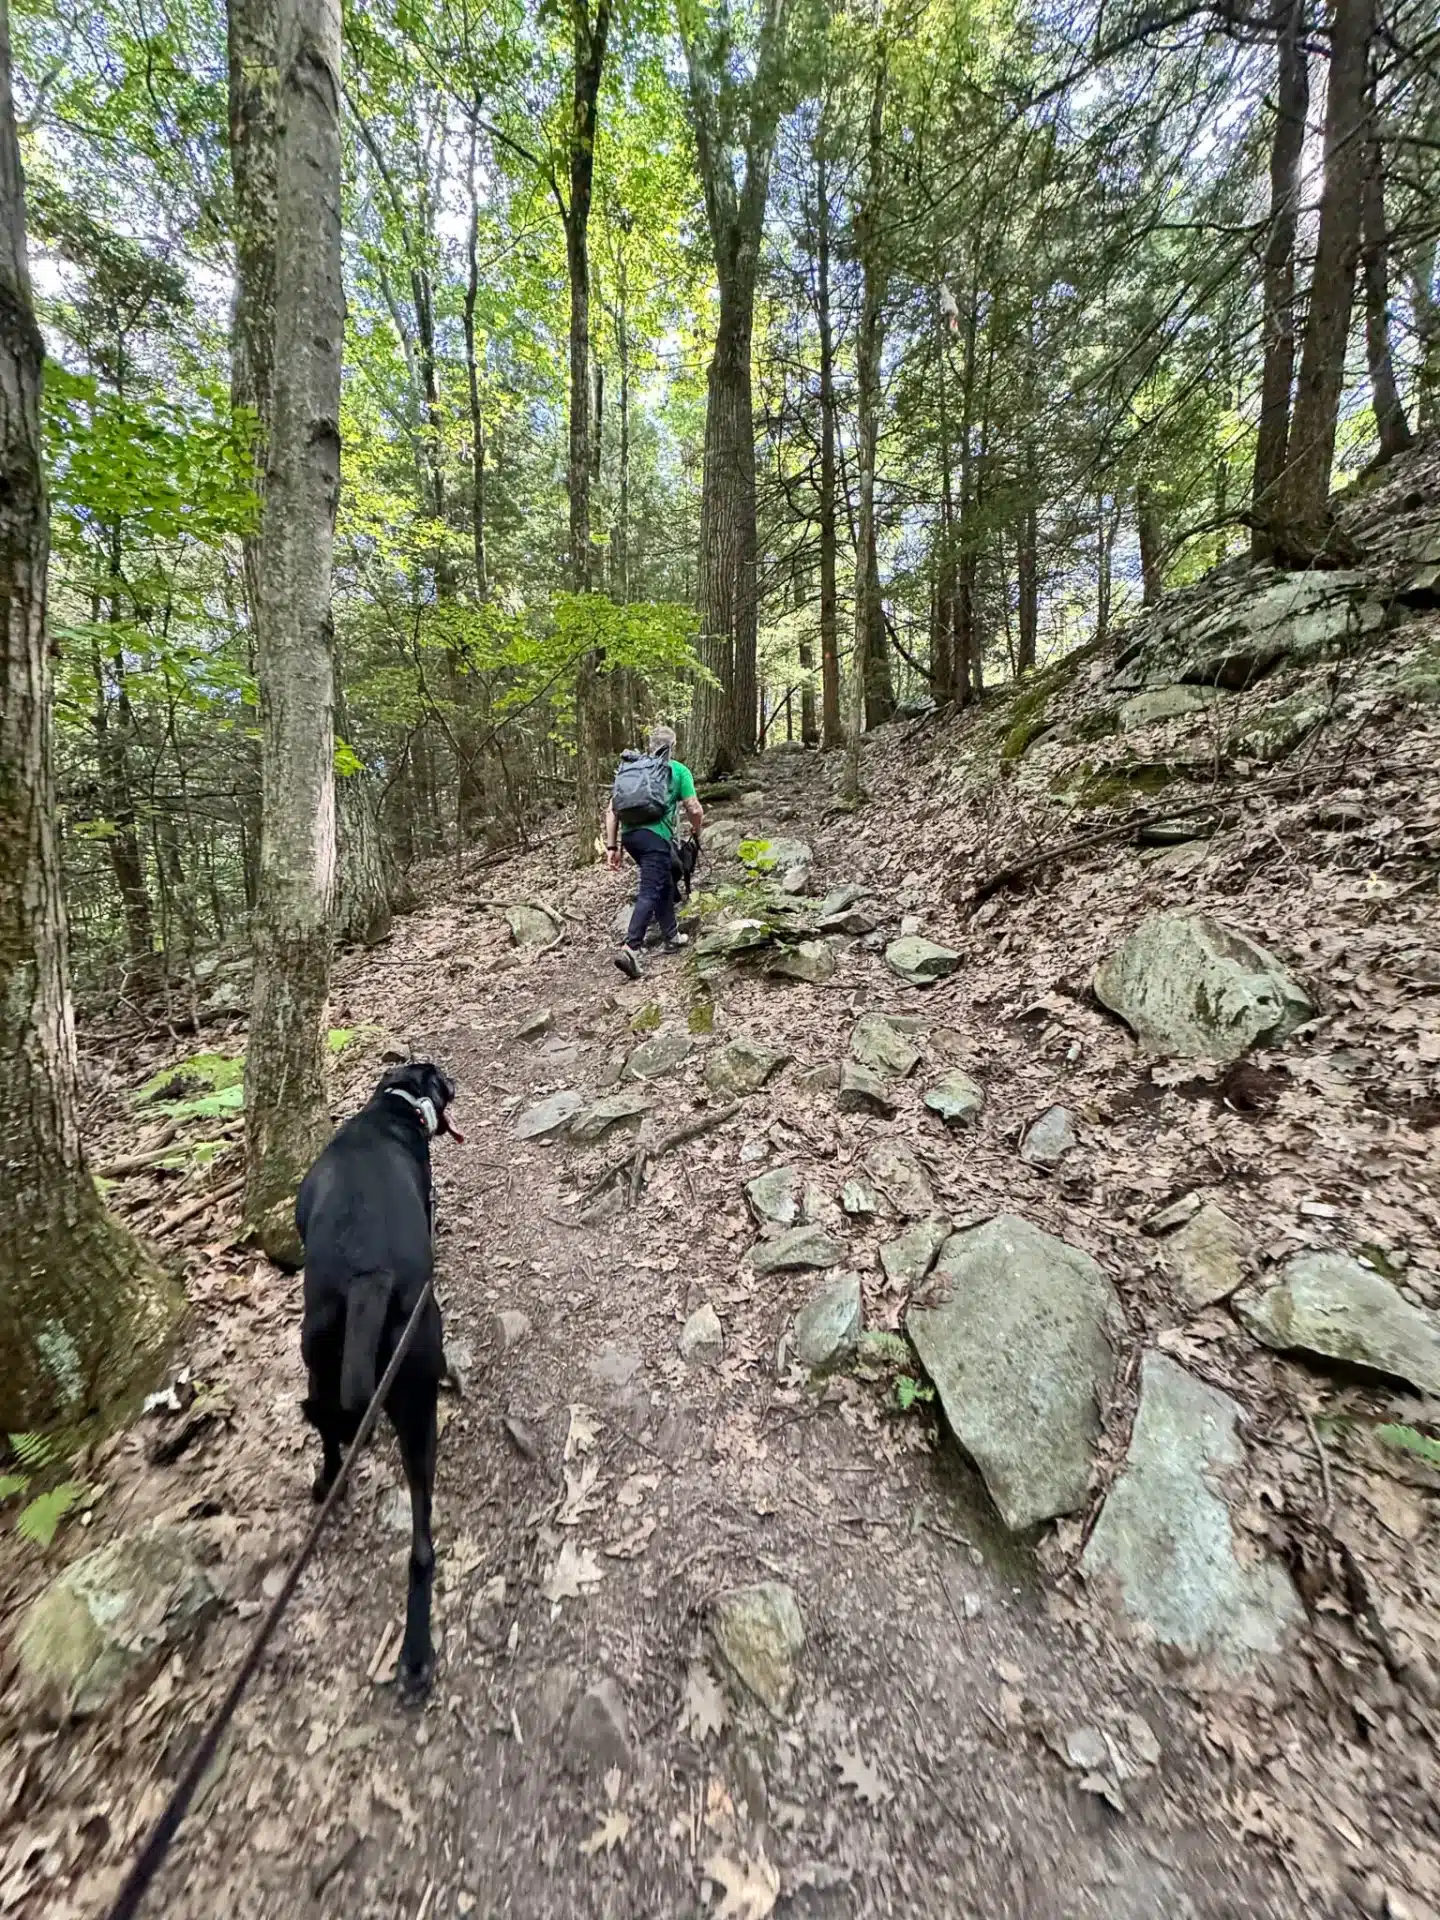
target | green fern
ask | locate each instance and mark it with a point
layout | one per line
(40, 1520)
(13, 1483)
(33, 1450)
(1410, 1441)
(910, 1393)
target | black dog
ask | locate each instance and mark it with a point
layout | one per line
(364, 1213)
(684, 859)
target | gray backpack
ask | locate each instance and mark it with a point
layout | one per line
(641, 793)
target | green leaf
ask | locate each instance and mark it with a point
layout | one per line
(40, 1520)
(910, 1393)
(32, 1450)
(1409, 1441)
(13, 1483)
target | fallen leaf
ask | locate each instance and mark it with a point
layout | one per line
(751, 1887)
(703, 1708)
(584, 1431)
(857, 1772)
(632, 1544)
(634, 1490)
(614, 1828)
(574, 1570)
(580, 1489)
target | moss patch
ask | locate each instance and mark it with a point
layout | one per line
(1109, 786)
(647, 1019)
(701, 1018)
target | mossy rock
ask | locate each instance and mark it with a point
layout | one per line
(1023, 735)
(203, 1087)
(1109, 786)
(1099, 725)
(647, 1019)
(701, 1018)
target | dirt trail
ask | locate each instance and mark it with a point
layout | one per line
(917, 1773)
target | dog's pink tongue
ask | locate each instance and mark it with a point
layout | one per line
(453, 1131)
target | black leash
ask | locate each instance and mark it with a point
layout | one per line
(157, 1844)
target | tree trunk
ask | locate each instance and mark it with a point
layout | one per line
(472, 384)
(1420, 272)
(250, 47)
(127, 859)
(831, 727)
(1152, 543)
(1391, 426)
(362, 895)
(867, 381)
(1302, 515)
(286, 1113)
(944, 680)
(85, 1314)
(879, 685)
(1027, 574)
(1292, 100)
(1105, 523)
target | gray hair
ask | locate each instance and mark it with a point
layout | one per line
(662, 740)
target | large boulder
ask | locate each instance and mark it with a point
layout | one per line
(664, 1052)
(1164, 703)
(862, 1090)
(775, 856)
(1233, 636)
(1192, 989)
(1329, 1305)
(1022, 1357)
(106, 1623)
(1167, 1535)
(808, 960)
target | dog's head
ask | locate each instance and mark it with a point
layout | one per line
(425, 1088)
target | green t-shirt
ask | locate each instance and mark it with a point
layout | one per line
(682, 787)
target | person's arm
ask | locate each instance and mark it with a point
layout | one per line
(685, 794)
(695, 814)
(612, 838)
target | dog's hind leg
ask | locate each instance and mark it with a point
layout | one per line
(414, 1422)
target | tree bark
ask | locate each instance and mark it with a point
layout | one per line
(867, 378)
(879, 683)
(286, 1115)
(363, 911)
(831, 727)
(726, 112)
(944, 678)
(1292, 101)
(1391, 426)
(1420, 273)
(85, 1314)
(1152, 543)
(1302, 513)
(1027, 574)
(472, 384)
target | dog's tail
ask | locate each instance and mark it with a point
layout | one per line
(366, 1311)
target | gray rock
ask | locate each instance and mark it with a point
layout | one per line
(902, 1180)
(772, 1197)
(1167, 1534)
(828, 1325)
(1176, 1214)
(550, 1117)
(824, 1077)
(920, 961)
(702, 1341)
(511, 1327)
(754, 1150)
(807, 1246)
(838, 899)
(1022, 1359)
(535, 1024)
(907, 1259)
(1164, 703)
(817, 1206)
(759, 1634)
(106, 1623)
(614, 1366)
(858, 1198)
(862, 1091)
(664, 1052)
(956, 1098)
(1207, 1256)
(532, 926)
(737, 936)
(722, 837)
(559, 1056)
(1051, 1137)
(1277, 730)
(795, 880)
(1191, 988)
(874, 1042)
(775, 856)
(1329, 1305)
(809, 960)
(854, 921)
(910, 924)
(613, 1110)
(743, 1066)
(598, 1737)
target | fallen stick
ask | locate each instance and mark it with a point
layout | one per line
(200, 1204)
(137, 1162)
(632, 1168)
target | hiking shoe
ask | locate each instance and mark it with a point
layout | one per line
(628, 961)
(678, 944)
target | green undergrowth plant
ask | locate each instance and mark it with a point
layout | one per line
(38, 1458)
(1408, 1440)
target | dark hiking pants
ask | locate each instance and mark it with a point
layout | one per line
(656, 898)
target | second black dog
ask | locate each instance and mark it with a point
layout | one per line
(684, 859)
(364, 1211)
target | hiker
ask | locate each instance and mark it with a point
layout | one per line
(650, 790)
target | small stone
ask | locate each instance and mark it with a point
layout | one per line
(1175, 1215)
(775, 856)
(550, 1117)
(909, 1258)
(739, 936)
(537, 1023)
(614, 1110)
(902, 1180)
(666, 1051)
(910, 925)
(839, 899)
(957, 1098)
(854, 921)
(511, 1327)
(1207, 1256)
(810, 961)
(1329, 1305)
(532, 926)
(795, 880)
(874, 1042)
(863, 1091)
(1049, 1139)
(822, 1078)
(753, 1150)
(702, 1342)
(817, 1206)
(828, 1325)
(553, 1695)
(614, 1366)
(108, 1622)
(920, 962)
(759, 1634)
(859, 1199)
(807, 1246)
(487, 1614)
(772, 1197)
(599, 1733)
(743, 1066)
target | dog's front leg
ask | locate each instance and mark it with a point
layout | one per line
(415, 1431)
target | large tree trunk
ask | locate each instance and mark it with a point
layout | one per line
(867, 381)
(287, 1119)
(1420, 273)
(831, 727)
(1292, 100)
(250, 35)
(1152, 543)
(1027, 574)
(879, 683)
(117, 797)
(1302, 516)
(1391, 426)
(944, 678)
(363, 911)
(472, 384)
(85, 1314)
